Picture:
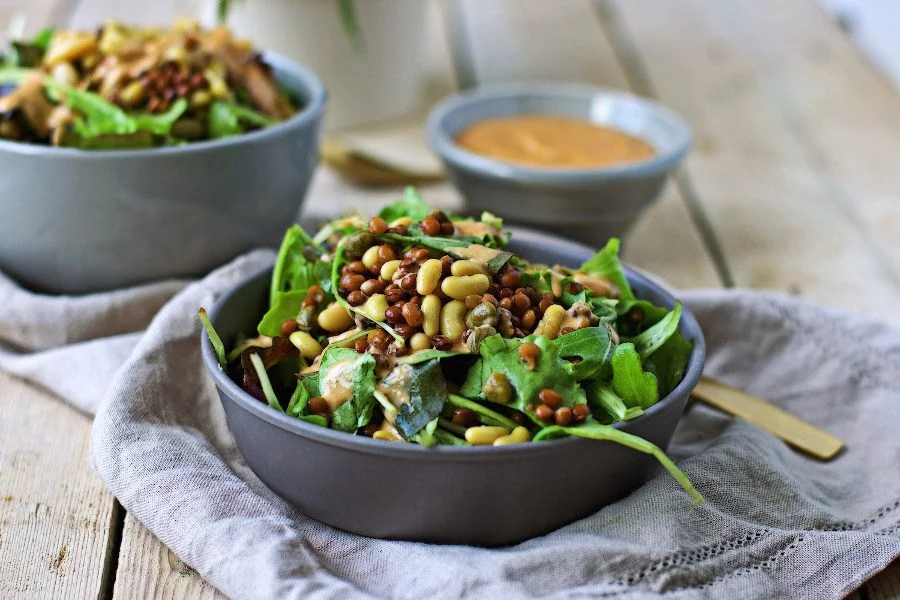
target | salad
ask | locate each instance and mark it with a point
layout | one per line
(132, 87)
(418, 327)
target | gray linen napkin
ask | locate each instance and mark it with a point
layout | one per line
(776, 524)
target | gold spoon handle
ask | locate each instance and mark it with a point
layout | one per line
(800, 434)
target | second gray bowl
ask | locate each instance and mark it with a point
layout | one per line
(77, 221)
(590, 205)
(483, 496)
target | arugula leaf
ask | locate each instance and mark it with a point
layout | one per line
(291, 270)
(598, 431)
(592, 345)
(225, 119)
(418, 392)
(539, 279)
(298, 401)
(411, 206)
(314, 419)
(670, 362)
(426, 436)
(630, 382)
(162, 123)
(653, 338)
(605, 263)
(600, 396)
(217, 344)
(287, 306)
(486, 415)
(343, 368)
(501, 355)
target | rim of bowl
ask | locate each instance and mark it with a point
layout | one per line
(444, 145)
(414, 451)
(311, 86)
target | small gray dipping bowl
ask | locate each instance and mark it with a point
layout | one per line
(483, 496)
(590, 205)
(78, 221)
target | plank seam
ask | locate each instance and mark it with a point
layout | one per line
(113, 547)
(629, 58)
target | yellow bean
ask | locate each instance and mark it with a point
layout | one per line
(460, 286)
(429, 276)
(385, 436)
(431, 310)
(388, 269)
(335, 318)
(453, 319)
(466, 267)
(551, 321)
(375, 307)
(370, 257)
(518, 436)
(307, 345)
(419, 341)
(404, 221)
(485, 435)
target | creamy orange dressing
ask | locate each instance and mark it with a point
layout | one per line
(474, 229)
(337, 386)
(550, 141)
(601, 286)
(477, 253)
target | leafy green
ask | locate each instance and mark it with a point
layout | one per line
(11, 75)
(598, 431)
(314, 419)
(226, 119)
(485, 414)
(264, 382)
(43, 38)
(600, 396)
(425, 355)
(426, 436)
(298, 401)
(214, 338)
(592, 345)
(630, 382)
(291, 270)
(650, 340)
(670, 362)
(343, 368)
(501, 355)
(446, 438)
(605, 263)
(411, 205)
(418, 392)
(287, 306)
(162, 123)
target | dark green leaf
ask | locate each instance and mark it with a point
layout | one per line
(600, 396)
(592, 345)
(226, 119)
(43, 38)
(298, 401)
(653, 338)
(605, 263)
(214, 338)
(411, 206)
(670, 362)
(501, 355)
(291, 264)
(314, 419)
(426, 436)
(345, 371)
(597, 431)
(630, 382)
(418, 392)
(287, 306)
(485, 415)
(426, 355)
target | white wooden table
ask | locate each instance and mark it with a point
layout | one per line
(793, 186)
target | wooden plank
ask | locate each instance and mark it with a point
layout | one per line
(885, 585)
(531, 39)
(149, 570)
(55, 513)
(766, 199)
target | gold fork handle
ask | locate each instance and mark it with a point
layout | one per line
(800, 434)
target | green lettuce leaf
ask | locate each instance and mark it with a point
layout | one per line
(411, 206)
(226, 119)
(630, 382)
(669, 362)
(611, 408)
(592, 345)
(650, 340)
(424, 394)
(344, 367)
(605, 263)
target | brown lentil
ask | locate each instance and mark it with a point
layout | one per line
(566, 330)
(447, 229)
(393, 315)
(441, 342)
(377, 225)
(430, 226)
(446, 263)
(386, 253)
(375, 269)
(421, 255)
(545, 303)
(529, 352)
(289, 326)
(360, 345)
(352, 282)
(580, 412)
(521, 303)
(404, 330)
(318, 405)
(490, 298)
(355, 266)
(393, 293)
(506, 293)
(408, 282)
(372, 286)
(463, 417)
(355, 298)
(520, 418)
(551, 398)
(529, 319)
(574, 288)
(511, 279)
(472, 300)
(506, 303)
(543, 412)
(412, 314)
(563, 416)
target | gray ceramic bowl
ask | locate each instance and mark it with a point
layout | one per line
(590, 205)
(462, 495)
(76, 221)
